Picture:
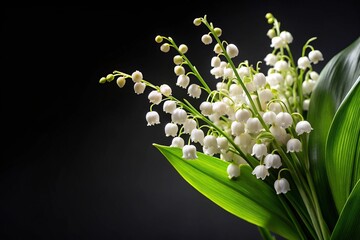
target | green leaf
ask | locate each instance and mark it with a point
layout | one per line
(246, 197)
(342, 148)
(335, 80)
(347, 227)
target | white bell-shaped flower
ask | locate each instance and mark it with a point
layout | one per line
(260, 171)
(222, 143)
(283, 119)
(259, 79)
(177, 142)
(152, 118)
(194, 90)
(243, 72)
(210, 145)
(288, 38)
(219, 108)
(165, 90)
(314, 75)
(197, 136)
(139, 87)
(155, 97)
(279, 133)
(269, 117)
(215, 61)
(274, 79)
(277, 42)
(189, 125)
(233, 170)
(281, 186)
(281, 65)
(272, 161)
(179, 116)
(189, 152)
(136, 76)
(303, 127)
(206, 108)
(270, 59)
(169, 106)
(242, 115)
(259, 150)
(315, 56)
(171, 129)
(232, 50)
(183, 81)
(294, 145)
(237, 128)
(253, 125)
(308, 86)
(306, 104)
(303, 63)
(218, 72)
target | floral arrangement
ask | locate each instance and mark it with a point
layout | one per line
(277, 148)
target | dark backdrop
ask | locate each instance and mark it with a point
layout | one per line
(77, 160)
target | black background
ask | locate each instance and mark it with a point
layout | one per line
(77, 160)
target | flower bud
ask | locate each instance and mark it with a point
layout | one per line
(242, 115)
(165, 47)
(197, 21)
(136, 76)
(178, 59)
(179, 70)
(183, 48)
(120, 81)
(206, 108)
(206, 39)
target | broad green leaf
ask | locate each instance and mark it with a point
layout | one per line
(343, 146)
(246, 197)
(335, 80)
(347, 227)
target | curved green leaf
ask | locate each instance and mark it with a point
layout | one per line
(347, 227)
(343, 146)
(336, 79)
(246, 197)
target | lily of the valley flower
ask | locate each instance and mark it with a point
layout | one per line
(281, 186)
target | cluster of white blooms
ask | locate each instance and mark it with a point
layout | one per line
(252, 117)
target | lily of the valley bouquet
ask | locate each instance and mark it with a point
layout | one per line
(279, 147)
